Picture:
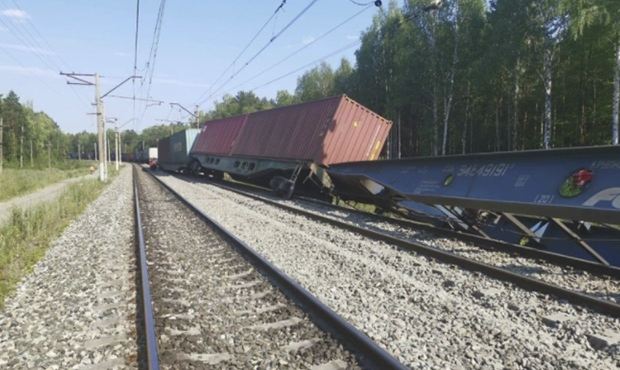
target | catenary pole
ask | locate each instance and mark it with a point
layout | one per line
(100, 130)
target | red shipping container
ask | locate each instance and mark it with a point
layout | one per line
(217, 136)
(327, 131)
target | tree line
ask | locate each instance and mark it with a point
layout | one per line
(454, 76)
(463, 76)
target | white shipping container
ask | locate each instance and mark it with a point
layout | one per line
(153, 153)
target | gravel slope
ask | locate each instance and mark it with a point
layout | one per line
(76, 310)
(428, 314)
(212, 309)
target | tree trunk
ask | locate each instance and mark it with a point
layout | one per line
(498, 105)
(464, 133)
(515, 107)
(616, 98)
(450, 91)
(435, 143)
(547, 84)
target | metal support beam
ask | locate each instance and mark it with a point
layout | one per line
(580, 241)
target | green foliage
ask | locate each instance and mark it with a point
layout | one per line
(14, 182)
(478, 67)
(467, 73)
(26, 237)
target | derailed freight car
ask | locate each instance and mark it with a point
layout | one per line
(173, 151)
(276, 147)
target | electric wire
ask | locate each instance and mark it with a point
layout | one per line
(316, 61)
(150, 64)
(301, 48)
(135, 58)
(250, 60)
(247, 46)
(366, 3)
(33, 46)
(35, 40)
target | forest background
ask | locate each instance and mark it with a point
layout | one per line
(454, 76)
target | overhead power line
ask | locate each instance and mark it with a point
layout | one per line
(135, 57)
(315, 62)
(150, 64)
(302, 48)
(275, 37)
(26, 37)
(247, 46)
(374, 2)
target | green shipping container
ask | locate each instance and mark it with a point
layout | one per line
(173, 151)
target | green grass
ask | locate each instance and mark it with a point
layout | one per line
(27, 235)
(15, 181)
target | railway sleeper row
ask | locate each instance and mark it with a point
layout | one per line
(214, 309)
(595, 301)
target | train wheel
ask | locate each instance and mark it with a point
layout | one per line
(194, 168)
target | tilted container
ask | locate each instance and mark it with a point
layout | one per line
(327, 131)
(218, 136)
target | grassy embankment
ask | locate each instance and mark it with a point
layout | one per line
(25, 238)
(15, 181)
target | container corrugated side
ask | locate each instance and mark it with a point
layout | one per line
(358, 134)
(218, 136)
(294, 132)
(327, 131)
(174, 150)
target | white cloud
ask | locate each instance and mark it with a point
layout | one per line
(26, 49)
(16, 14)
(29, 71)
(308, 39)
(352, 37)
(175, 82)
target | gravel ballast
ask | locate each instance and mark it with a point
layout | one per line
(597, 285)
(76, 310)
(212, 309)
(428, 314)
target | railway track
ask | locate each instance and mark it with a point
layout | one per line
(215, 303)
(583, 283)
(426, 312)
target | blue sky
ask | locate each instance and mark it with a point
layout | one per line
(199, 39)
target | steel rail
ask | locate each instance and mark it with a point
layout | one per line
(366, 351)
(147, 306)
(490, 244)
(524, 282)
(480, 241)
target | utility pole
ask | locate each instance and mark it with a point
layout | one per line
(1, 144)
(117, 154)
(197, 117)
(101, 134)
(21, 148)
(120, 147)
(79, 152)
